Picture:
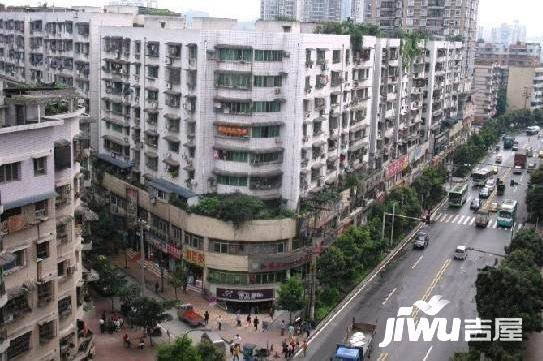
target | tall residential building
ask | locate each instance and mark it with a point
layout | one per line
(41, 45)
(508, 34)
(312, 10)
(518, 54)
(449, 18)
(486, 83)
(41, 286)
(525, 88)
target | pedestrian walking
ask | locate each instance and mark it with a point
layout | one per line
(142, 342)
(185, 285)
(304, 347)
(256, 322)
(157, 287)
(290, 330)
(236, 352)
(206, 317)
(126, 340)
(237, 340)
(272, 311)
(219, 322)
(102, 325)
(238, 319)
(249, 319)
(283, 327)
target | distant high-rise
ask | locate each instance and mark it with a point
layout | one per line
(312, 10)
(438, 17)
(508, 34)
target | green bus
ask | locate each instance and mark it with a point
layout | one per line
(458, 195)
(507, 214)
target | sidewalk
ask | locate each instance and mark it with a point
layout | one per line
(229, 329)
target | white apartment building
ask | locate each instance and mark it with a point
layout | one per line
(447, 18)
(312, 10)
(485, 91)
(41, 292)
(63, 46)
(276, 113)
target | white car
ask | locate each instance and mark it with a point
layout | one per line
(461, 253)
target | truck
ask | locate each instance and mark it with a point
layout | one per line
(519, 162)
(533, 130)
(508, 142)
(500, 187)
(358, 342)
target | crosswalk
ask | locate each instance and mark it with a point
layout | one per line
(467, 220)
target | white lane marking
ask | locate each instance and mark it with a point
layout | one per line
(389, 295)
(468, 200)
(468, 218)
(428, 353)
(436, 216)
(472, 221)
(448, 219)
(461, 219)
(493, 224)
(417, 262)
(455, 218)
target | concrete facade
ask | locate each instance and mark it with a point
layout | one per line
(518, 54)
(42, 284)
(525, 88)
(312, 10)
(486, 84)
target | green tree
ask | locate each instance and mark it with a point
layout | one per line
(291, 295)
(111, 281)
(177, 279)
(209, 352)
(501, 107)
(534, 196)
(332, 266)
(147, 313)
(529, 240)
(180, 350)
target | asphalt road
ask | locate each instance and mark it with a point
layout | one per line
(421, 274)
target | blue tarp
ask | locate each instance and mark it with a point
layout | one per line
(345, 353)
(169, 187)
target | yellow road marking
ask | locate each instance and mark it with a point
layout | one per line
(430, 289)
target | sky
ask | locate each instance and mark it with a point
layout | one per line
(491, 12)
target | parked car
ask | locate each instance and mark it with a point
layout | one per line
(187, 314)
(495, 169)
(461, 253)
(484, 192)
(475, 204)
(481, 219)
(493, 207)
(421, 240)
(490, 184)
(531, 167)
(499, 158)
(530, 151)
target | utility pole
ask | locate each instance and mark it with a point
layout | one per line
(392, 226)
(142, 225)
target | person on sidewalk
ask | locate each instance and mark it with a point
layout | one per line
(272, 311)
(283, 327)
(256, 321)
(236, 352)
(142, 342)
(126, 340)
(206, 318)
(304, 347)
(219, 323)
(237, 340)
(102, 324)
(185, 285)
(249, 320)
(238, 319)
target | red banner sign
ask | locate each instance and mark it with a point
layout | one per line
(397, 166)
(194, 257)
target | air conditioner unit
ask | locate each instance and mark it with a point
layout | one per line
(277, 91)
(136, 77)
(168, 61)
(217, 105)
(70, 270)
(169, 86)
(154, 105)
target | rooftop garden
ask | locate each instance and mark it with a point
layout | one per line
(55, 108)
(238, 208)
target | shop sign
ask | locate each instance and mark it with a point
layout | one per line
(131, 205)
(245, 295)
(194, 257)
(397, 166)
(276, 262)
(166, 247)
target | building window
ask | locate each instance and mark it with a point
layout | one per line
(268, 55)
(65, 306)
(267, 80)
(152, 71)
(228, 54)
(261, 158)
(266, 107)
(173, 146)
(233, 80)
(271, 131)
(232, 181)
(10, 172)
(194, 241)
(336, 56)
(236, 107)
(228, 278)
(232, 156)
(19, 345)
(42, 250)
(19, 261)
(40, 166)
(47, 331)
